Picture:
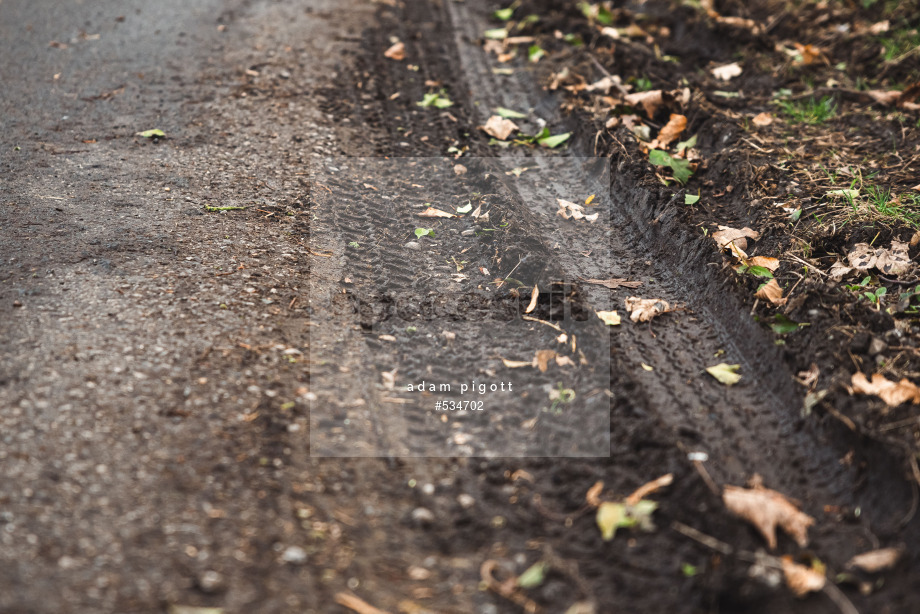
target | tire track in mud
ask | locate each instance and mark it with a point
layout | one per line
(433, 312)
(755, 427)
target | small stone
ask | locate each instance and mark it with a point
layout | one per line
(428, 489)
(17, 304)
(284, 74)
(459, 170)
(466, 501)
(413, 245)
(422, 515)
(210, 581)
(295, 555)
(877, 346)
(469, 232)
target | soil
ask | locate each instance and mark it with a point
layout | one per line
(211, 408)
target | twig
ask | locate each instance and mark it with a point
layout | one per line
(550, 324)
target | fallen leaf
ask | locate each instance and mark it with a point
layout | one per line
(893, 393)
(613, 515)
(191, 609)
(726, 72)
(880, 28)
(802, 580)
(613, 284)
(610, 318)
(839, 270)
(888, 98)
(533, 576)
(554, 140)
(875, 561)
(533, 299)
(762, 120)
(151, 134)
(356, 604)
(644, 309)
(499, 127)
(592, 497)
(862, 257)
(727, 238)
(766, 262)
(894, 260)
(564, 361)
(541, 359)
(649, 100)
(725, 373)
(517, 364)
(609, 518)
(809, 54)
(767, 509)
(669, 132)
(771, 291)
(606, 84)
(396, 52)
(432, 212)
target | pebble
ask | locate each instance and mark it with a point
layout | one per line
(469, 232)
(422, 515)
(466, 501)
(295, 555)
(413, 245)
(210, 581)
(428, 489)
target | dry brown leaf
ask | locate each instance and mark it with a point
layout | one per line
(649, 100)
(887, 98)
(534, 295)
(729, 238)
(893, 393)
(879, 28)
(875, 561)
(593, 496)
(396, 52)
(894, 260)
(726, 72)
(604, 85)
(517, 364)
(839, 271)
(356, 604)
(541, 359)
(670, 132)
(648, 488)
(644, 309)
(767, 509)
(762, 119)
(432, 212)
(771, 291)
(499, 127)
(862, 257)
(613, 284)
(766, 262)
(908, 97)
(564, 361)
(802, 580)
(809, 54)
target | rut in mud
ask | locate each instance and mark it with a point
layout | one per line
(756, 427)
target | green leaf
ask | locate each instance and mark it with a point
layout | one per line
(610, 517)
(509, 113)
(679, 167)
(688, 144)
(496, 34)
(354, 244)
(216, 209)
(553, 141)
(691, 199)
(573, 39)
(151, 134)
(437, 100)
(726, 374)
(760, 271)
(421, 232)
(504, 14)
(535, 53)
(688, 570)
(533, 576)
(782, 325)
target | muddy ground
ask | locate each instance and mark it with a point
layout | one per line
(206, 339)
